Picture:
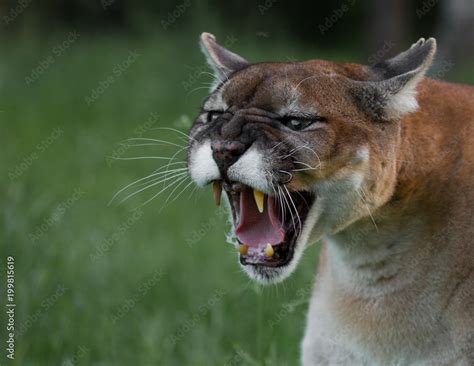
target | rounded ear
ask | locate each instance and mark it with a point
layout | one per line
(393, 92)
(222, 61)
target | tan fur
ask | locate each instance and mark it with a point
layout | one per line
(394, 200)
(423, 305)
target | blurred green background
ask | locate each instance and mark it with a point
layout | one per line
(155, 284)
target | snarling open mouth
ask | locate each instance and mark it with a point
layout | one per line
(266, 226)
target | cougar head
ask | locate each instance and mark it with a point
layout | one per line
(301, 149)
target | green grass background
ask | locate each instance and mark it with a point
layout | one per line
(68, 305)
(168, 289)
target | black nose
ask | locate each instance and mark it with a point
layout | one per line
(226, 153)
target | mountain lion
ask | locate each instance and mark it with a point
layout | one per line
(377, 163)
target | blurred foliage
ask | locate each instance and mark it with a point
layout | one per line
(296, 20)
(102, 72)
(167, 289)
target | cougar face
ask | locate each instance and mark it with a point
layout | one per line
(301, 150)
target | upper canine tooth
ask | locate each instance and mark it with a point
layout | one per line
(259, 198)
(217, 191)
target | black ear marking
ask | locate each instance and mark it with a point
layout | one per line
(222, 61)
(419, 55)
(393, 92)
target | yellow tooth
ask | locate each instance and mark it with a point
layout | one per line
(269, 250)
(243, 249)
(217, 191)
(259, 198)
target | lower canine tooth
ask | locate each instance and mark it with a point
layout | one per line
(217, 191)
(269, 250)
(243, 249)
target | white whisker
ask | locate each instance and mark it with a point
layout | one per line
(174, 130)
(304, 199)
(174, 156)
(177, 195)
(308, 167)
(196, 89)
(155, 179)
(276, 145)
(214, 76)
(154, 174)
(170, 164)
(294, 206)
(307, 78)
(314, 152)
(162, 190)
(364, 201)
(305, 164)
(282, 208)
(284, 171)
(192, 192)
(176, 175)
(155, 140)
(289, 209)
(145, 158)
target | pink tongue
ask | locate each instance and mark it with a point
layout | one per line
(257, 229)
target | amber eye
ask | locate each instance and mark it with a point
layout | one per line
(298, 124)
(212, 116)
